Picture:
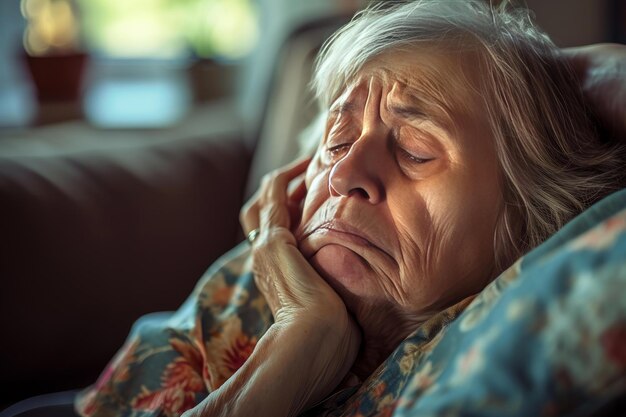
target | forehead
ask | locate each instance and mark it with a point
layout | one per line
(424, 77)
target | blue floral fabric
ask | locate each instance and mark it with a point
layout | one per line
(546, 338)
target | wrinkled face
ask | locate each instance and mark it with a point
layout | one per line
(403, 191)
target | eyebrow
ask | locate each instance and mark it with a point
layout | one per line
(345, 107)
(404, 111)
(417, 109)
(407, 112)
(420, 105)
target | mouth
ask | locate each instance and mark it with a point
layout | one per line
(337, 232)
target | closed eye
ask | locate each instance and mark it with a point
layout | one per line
(406, 155)
(337, 151)
(413, 158)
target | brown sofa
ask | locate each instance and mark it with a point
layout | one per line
(91, 240)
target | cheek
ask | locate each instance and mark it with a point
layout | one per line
(412, 220)
(313, 170)
(316, 180)
(466, 228)
(446, 232)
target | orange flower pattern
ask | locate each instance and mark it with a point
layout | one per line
(171, 361)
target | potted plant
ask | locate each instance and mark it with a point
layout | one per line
(52, 49)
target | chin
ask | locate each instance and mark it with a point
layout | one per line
(344, 270)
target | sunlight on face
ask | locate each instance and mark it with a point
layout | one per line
(403, 192)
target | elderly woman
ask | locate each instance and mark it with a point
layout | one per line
(455, 140)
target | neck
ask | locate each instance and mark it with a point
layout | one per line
(383, 329)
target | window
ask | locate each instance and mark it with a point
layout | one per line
(142, 28)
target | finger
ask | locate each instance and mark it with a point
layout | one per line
(279, 181)
(295, 201)
(297, 189)
(296, 167)
(274, 202)
(274, 216)
(249, 217)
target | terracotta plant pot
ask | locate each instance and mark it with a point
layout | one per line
(57, 77)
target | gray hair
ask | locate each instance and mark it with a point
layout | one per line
(552, 161)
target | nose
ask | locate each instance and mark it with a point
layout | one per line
(359, 173)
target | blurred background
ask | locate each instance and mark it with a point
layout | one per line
(140, 64)
(150, 63)
(130, 134)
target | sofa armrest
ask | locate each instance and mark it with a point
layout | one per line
(92, 240)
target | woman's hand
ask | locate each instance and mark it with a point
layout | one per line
(314, 341)
(293, 289)
(602, 72)
(296, 294)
